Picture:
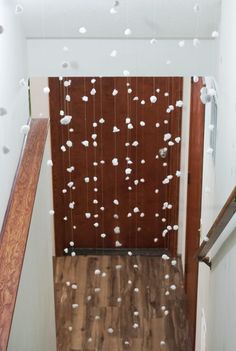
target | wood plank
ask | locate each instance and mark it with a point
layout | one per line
(153, 326)
(17, 223)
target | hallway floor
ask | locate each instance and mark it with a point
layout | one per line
(124, 303)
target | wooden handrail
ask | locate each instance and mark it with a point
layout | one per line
(17, 223)
(218, 226)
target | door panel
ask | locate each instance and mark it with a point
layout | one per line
(111, 183)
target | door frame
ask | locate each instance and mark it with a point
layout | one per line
(194, 197)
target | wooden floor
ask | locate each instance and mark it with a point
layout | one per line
(146, 319)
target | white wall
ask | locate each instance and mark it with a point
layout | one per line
(91, 57)
(39, 100)
(33, 327)
(217, 290)
(13, 97)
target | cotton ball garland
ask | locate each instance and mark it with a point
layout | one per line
(118, 243)
(177, 139)
(69, 143)
(130, 126)
(110, 330)
(23, 83)
(117, 230)
(5, 149)
(196, 42)
(87, 215)
(67, 83)
(3, 111)
(75, 305)
(85, 143)
(181, 43)
(85, 98)
(113, 53)
(65, 64)
(72, 205)
(210, 151)
(136, 210)
(93, 91)
(115, 161)
(49, 163)
(25, 129)
(173, 262)
(82, 30)
(179, 103)
(68, 98)
(165, 257)
(127, 31)
(19, 9)
(173, 287)
(51, 212)
(215, 34)
(126, 73)
(115, 129)
(153, 41)
(167, 136)
(101, 120)
(153, 99)
(115, 202)
(46, 90)
(196, 7)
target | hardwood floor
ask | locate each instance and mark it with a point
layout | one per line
(146, 319)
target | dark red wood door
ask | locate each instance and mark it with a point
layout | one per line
(114, 186)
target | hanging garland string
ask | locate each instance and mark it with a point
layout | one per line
(86, 151)
(102, 165)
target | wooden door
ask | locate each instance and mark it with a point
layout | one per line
(142, 190)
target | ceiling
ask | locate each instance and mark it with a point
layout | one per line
(147, 18)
